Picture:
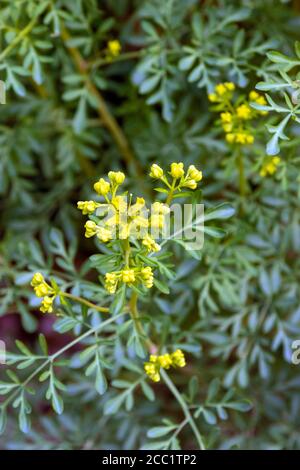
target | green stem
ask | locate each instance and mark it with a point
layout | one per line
(171, 193)
(104, 112)
(126, 56)
(126, 252)
(18, 38)
(137, 321)
(85, 302)
(241, 172)
(184, 407)
(108, 61)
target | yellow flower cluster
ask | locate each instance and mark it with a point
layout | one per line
(122, 219)
(236, 119)
(222, 90)
(270, 166)
(180, 178)
(129, 276)
(152, 368)
(42, 289)
(114, 48)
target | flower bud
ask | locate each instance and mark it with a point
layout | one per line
(156, 171)
(116, 177)
(191, 184)
(128, 275)
(102, 187)
(37, 279)
(90, 229)
(194, 174)
(177, 170)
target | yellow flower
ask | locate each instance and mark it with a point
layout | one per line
(165, 361)
(243, 111)
(111, 281)
(177, 170)
(178, 359)
(47, 305)
(230, 138)
(156, 171)
(150, 244)
(257, 98)
(90, 228)
(37, 279)
(102, 187)
(160, 208)
(116, 177)
(221, 89)
(124, 231)
(191, 184)
(270, 166)
(227, 127)
(103, 234)
(42, 289)
(194, 174)
(152, 371)
(136, 208)
(226, 117)
(147, 276)
(114, 47)
(128, 276)
(157, 221)
(242, 138)
(253, 95)
(261, 100)
(152, 368)
(213, 97)
(153, 358)
(230, 86)
(87, 207)
(120, 203)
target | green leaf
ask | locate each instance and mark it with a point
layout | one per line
(149, 84)
(161, 286)
(223, 211)
(148, 392)
(43, 344)
(160, 431)
(21, 346)
(209, 416)
(114, 404)
(119, 301)
(57, 403)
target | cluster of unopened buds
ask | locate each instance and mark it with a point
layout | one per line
(164, 361)
(181, 179)
(270, 166)
(130, 277)
(120, 218)
(236, 116)
(42, 289)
